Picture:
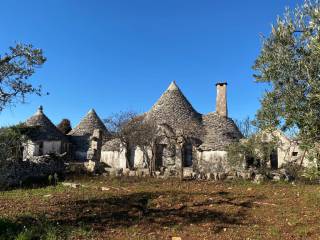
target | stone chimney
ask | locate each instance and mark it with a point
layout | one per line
(221, 100)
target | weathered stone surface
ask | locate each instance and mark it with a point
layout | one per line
(187, 172)
(119, 172)
(176, 238)
(276, 177)
(126, 172)
(132, 173)
(88, 124)
(258, 178)
(90, 166)
(209, 176)
(215, 176)
(72, 185)
(174, 109)
(220, 132)
(81, 134)
(13, 173)
(221, 99)
(221, 176)
(231, 177)
(45, 129)
(111, 172)
(143, 172)
(105, 188)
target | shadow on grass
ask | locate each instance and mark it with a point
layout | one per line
(151, 210)
(36, 228)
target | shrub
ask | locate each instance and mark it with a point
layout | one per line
(312, 173)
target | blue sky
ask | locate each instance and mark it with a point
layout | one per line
(121, 55)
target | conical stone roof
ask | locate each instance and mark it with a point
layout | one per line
(88, 124)
(220, 132)
(174, 109)
(217, 132)
(43, 128)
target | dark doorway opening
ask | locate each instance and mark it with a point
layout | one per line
(159, 156)
(274, 159)
(40, 149)
(187, 155)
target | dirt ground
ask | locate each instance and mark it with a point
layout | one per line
(146, 208)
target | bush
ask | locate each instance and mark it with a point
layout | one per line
(312, 173)
(257, 148)
(292, 170)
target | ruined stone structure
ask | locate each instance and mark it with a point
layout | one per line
(90, 128)
(202, 151)
(287, 151)
(43, 137)
(206, 150)
(14, 173)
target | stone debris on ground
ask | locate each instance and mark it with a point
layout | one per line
(73, 185)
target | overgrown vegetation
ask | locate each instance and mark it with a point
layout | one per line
(140, 131)
(289, 63)
(256, 151)
(10, 143)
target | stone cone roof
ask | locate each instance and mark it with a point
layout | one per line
(173, 108)
(88, 124)
(42, 128)
(220, 132)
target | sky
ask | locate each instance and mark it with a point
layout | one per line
(121, 55)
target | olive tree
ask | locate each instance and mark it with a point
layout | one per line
(16, 67)
(289, 62)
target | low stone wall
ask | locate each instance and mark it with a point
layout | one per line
(15, 173)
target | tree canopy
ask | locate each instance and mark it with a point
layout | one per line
(16, 67)
(289, 62)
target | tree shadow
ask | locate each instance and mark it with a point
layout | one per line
(150, 209)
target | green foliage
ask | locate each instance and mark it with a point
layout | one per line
(293, 170)
(257, 149)
(289, 63)
(16, 67)
(11, 139)
(10, 142)
(312, 173)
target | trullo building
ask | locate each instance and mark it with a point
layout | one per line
(43, 137)
(206, 150)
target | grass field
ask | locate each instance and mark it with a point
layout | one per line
(133, 208)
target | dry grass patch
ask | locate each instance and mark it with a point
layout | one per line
(146, 208)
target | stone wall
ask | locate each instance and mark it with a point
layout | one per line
(213, 161)
(14, 173)
(138, 158)
(33, 148)
(114, 159)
